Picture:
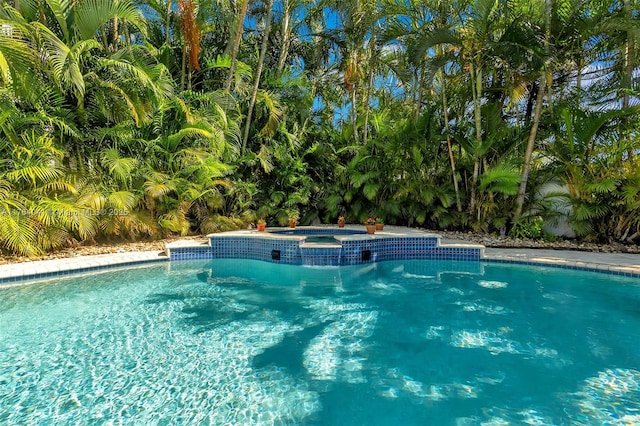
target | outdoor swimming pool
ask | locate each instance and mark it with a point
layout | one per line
(250, 342)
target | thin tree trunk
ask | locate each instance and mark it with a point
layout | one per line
(127, 36)
(286, 35)
(628, 58)
(628, 72)
(183, 71)
(452, 161)
(115, 34)
(420, 90)
(367, 108)
(476, 89)
(354, 112)
(256, 83)
(103, 36)
(372, 45)
(167, 27)
(522, 190)
(236, 44)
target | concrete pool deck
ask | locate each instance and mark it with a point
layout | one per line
(620, 263)
(625, 263)
(13, 273)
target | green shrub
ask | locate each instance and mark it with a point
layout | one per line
(528, 227)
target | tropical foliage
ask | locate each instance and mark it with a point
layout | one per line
(124, 119)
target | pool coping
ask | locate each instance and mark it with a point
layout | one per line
(30, 271)
(625, 264)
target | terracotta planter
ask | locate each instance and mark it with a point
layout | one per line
(379, 226)
(371, 229)
(292, 224)
(261, 227)
(340, 224)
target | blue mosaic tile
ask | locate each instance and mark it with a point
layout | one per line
(350, 252)
(608, 272)
(54, 274)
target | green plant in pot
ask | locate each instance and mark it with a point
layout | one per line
(293, 216)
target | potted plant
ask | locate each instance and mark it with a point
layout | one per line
(379, 224)
(262, 224)
(341, 221)
(370, 223)
(294, 215)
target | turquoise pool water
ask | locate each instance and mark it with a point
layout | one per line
(249, 342)
(326, 239)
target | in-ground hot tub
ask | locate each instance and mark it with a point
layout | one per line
(318, 231)
(317, 235)
(303, 245)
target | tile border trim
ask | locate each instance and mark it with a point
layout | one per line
(14, 279)
(602, 268)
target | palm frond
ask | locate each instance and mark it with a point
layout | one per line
(91, 15)
(501, 179)
(120, 168)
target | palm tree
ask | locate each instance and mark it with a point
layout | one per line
(258, 73)
(235, 47)
(588, 157)
(191, 35)
(537, 112)
(435, 35)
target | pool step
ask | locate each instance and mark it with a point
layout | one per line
(321, 245)
(320, 254)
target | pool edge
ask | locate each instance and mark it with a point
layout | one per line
(16, 273)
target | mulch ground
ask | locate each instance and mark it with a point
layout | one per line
(494, 241)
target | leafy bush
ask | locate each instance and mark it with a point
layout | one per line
(528, 227)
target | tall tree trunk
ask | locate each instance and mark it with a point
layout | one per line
(236, 44)
(452, 161)
(354, 112)
(167, 24)
(531, 101)
(522, 190)
(628, 72)
(367, 108)
(476, 89)
(286, 35)
(127, 36)
(256, 83)
(103, 36)
(628, 57)
(115, 34)
(420, 90)
(183, 70)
